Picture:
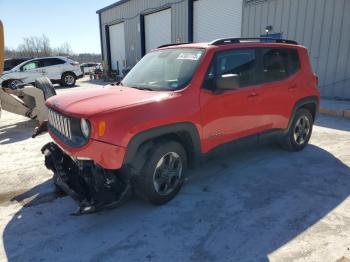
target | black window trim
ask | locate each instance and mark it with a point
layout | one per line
(258, 76)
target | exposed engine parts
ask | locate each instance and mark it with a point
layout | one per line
(92, 187)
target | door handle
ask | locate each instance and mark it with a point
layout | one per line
(253, 94)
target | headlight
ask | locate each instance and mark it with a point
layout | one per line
(85, 127)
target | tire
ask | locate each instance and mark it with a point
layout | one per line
(46, 86)
(68, 79)
(12, 84)
(300, 131)
(156, 173)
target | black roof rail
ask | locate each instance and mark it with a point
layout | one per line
(166, 45)
(224, 41)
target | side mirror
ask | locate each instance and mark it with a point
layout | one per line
(227, 82)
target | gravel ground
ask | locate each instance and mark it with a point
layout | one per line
(254, 204)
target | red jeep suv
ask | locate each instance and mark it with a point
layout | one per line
(177, 104)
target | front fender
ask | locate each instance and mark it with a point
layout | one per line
(176, 128)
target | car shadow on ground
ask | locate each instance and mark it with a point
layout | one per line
(42, 193)
(241, 206)
(17, 132)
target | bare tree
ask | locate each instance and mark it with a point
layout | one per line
(10, 53)
(46, 48)
(63, 50)
(35, 46)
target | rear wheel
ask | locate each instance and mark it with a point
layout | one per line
(300, 131)
(163, 173)
(68, 79)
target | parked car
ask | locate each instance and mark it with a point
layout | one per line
(175, 106)
(11, 63)
(87, 68)
(61, 70)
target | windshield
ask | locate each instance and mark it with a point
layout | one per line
(169, 69)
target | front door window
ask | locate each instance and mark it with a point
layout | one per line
(30, 66)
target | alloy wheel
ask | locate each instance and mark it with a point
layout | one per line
(167, 173)
(69, 79)
(14, 84)
(302, 130)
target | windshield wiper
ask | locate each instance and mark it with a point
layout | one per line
(142, 88)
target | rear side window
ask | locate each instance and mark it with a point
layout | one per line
(279, 63)
(52, 61)
(238, 61)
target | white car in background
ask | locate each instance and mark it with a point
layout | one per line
(58, 69)
(90, 67)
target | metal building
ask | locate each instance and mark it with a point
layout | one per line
(323, 26)
(130, 28)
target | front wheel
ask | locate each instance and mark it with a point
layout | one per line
(12, 84)
(68, 79)
(163, 174)
(299, 133)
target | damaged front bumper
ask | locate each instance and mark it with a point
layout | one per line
(91, 186)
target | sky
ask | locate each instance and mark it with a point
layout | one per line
(72, 21)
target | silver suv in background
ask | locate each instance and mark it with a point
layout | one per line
(58, 69)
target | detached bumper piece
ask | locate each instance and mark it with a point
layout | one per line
(91, 186)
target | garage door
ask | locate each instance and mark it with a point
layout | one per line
(216, 19)
(157, 29)
(117, 46)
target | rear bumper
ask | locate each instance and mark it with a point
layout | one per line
(106, 155)
(80, 76)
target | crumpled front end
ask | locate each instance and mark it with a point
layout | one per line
(91, 186)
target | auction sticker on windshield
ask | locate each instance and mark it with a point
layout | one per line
(189, 56)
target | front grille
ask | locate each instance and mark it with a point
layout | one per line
(61, 123)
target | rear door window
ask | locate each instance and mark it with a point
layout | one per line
(52, 61)
(279, 63)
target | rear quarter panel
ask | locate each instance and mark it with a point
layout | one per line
(307, 79)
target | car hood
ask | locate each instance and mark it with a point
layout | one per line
(93, 101)
(6, 72)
